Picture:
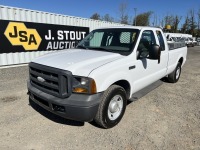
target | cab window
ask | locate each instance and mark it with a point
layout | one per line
(161, 40)
(145, 44)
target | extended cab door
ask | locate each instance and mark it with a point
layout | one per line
(146, 70)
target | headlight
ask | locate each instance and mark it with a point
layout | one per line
(84, 85)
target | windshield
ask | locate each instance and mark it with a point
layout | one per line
(114, 40)
(191, 39)
(174, 38)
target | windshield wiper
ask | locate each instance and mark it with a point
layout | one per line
(81, 46)
(93, 48)
(99, 48)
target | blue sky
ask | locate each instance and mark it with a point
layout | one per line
(85, 8)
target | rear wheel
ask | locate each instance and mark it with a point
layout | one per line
(175, 75)
(112, 107)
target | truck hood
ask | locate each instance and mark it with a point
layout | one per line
(79, 62)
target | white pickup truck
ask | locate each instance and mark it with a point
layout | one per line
(95, 80)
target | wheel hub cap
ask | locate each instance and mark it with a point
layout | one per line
(177, 73)
(115, 107)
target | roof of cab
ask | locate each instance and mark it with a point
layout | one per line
(130, 27)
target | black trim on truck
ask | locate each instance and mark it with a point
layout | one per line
(78, 107)
(50, 80)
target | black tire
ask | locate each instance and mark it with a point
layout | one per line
(104, 114)
(175, 75)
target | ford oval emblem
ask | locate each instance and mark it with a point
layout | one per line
(40, 79)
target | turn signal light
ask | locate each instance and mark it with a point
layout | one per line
(93, 87)
(84, 85)
(80, 90)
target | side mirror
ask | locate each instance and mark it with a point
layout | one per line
(154, 53)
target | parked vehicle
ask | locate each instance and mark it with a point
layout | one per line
(95, 80)
(172, 40)
(180, 37)
(188, 41)
(194, 41)
(198, 41)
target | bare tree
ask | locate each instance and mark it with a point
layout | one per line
(169, 20)
(198, 24)
(108, 18)
(185, 26)
(155, 19)
(173, 21)
(123, 13)
(162, 23)
(143, 19)
(95, 16)
(176, 22)
(192, 23)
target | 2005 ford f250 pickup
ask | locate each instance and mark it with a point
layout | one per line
(95, 80)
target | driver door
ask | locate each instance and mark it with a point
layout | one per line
(146, 70)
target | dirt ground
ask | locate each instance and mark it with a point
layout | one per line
(167, 118)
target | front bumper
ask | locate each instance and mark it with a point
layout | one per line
(80, 107)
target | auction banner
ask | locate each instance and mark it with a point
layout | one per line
(27, 36)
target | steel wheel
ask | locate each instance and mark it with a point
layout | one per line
(112, 107)
(175, 75)
(115, 107)
(178, 71)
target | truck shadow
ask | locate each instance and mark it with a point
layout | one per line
(93, 123)
(54, 117)
(165, 80)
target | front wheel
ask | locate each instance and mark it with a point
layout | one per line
(175, 75)
(112, 107)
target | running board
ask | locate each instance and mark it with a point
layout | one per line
(146, 90)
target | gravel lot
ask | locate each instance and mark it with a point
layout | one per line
(166, 118)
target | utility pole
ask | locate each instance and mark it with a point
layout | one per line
(135, 9)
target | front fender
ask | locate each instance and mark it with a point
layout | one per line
(103, 83)
(107, 75)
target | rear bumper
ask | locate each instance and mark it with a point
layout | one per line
(78, 107)
(190, 44)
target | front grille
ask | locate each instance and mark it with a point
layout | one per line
(50, 80)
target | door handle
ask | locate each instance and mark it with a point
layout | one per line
(132, 67)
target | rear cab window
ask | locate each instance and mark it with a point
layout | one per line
(160, 40)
